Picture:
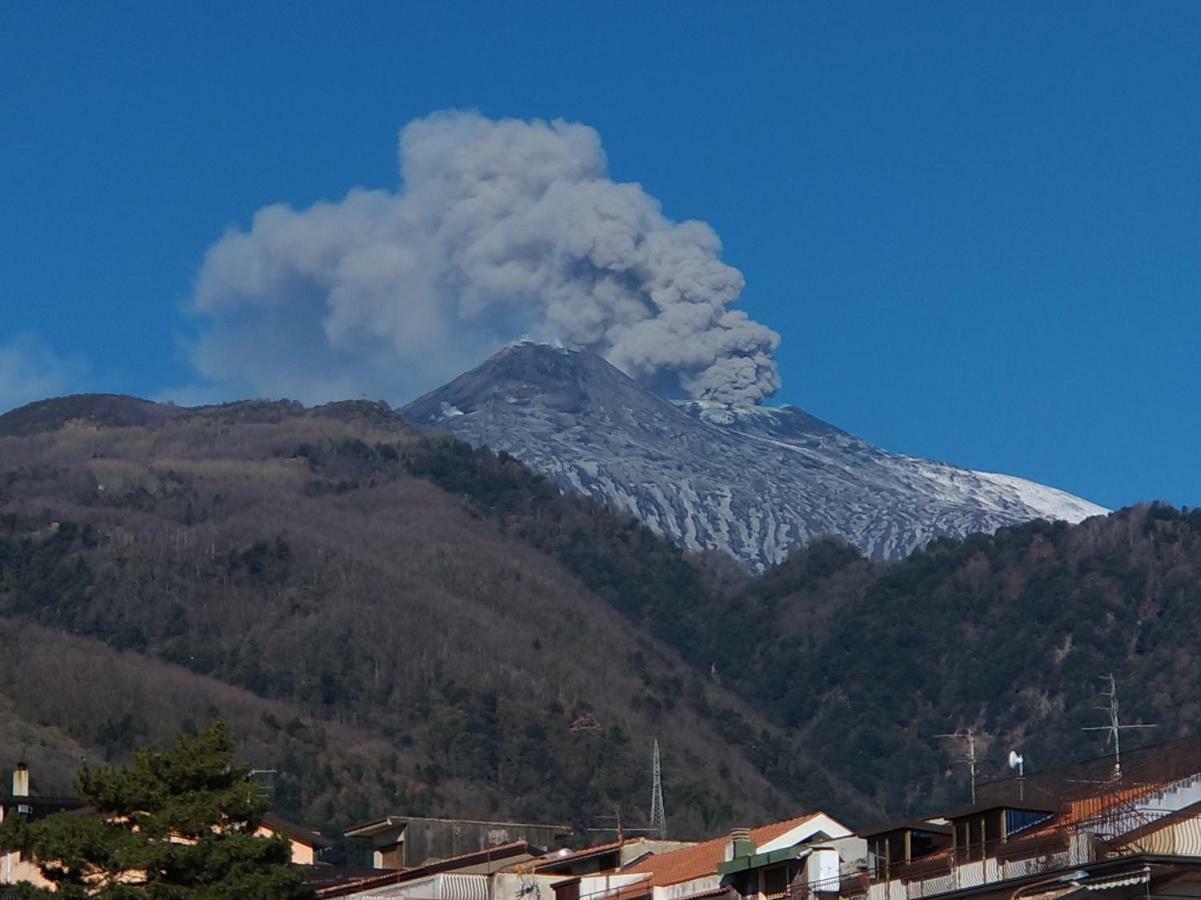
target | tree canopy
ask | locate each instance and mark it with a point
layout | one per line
(175, 824)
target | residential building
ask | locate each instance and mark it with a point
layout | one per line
(22, 801)
(306, 845)
(768, 863)
(467, 876)
(1095, 830)
(617, 854)
(810, 846)
(404, 842)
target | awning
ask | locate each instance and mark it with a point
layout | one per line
(1125, 879)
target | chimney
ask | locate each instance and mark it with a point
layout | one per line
(20, 781)
(740, 844)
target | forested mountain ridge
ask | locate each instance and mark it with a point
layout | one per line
(382, 641)
(866, 663)
(409, 623)
(1009, 635)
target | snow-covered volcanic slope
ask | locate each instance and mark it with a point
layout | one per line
(754, 481)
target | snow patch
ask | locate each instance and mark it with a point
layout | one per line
(1051, 503)
(754, 481)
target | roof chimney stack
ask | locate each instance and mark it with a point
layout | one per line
(20, 781)
(740, 844)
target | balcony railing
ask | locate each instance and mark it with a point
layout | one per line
(846, 886)
(1122, 832)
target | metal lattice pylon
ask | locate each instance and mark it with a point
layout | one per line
(658, 816)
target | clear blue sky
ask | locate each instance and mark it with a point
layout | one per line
(976, 226)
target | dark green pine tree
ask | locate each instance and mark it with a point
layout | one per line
(176, 823)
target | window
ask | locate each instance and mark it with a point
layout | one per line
(1020, 819)
(775, 881)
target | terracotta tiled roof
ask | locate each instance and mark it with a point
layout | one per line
(631, 891)
(1076, 812)
(703, 859)
(713, 892)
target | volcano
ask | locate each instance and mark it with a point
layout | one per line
(753, 481)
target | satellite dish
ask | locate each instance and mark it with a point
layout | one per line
(1017, 761)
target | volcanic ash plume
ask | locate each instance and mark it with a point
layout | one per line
(501, 229)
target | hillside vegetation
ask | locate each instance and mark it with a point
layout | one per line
(378, 639)
(397, 622)
(864, 664)
(1009, 635)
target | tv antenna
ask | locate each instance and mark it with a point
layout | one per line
(966, 734)
(620, 829)
(658, 816)
(263, 781)
(1115, 726)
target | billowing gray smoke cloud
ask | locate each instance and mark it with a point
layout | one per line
(501, 229)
